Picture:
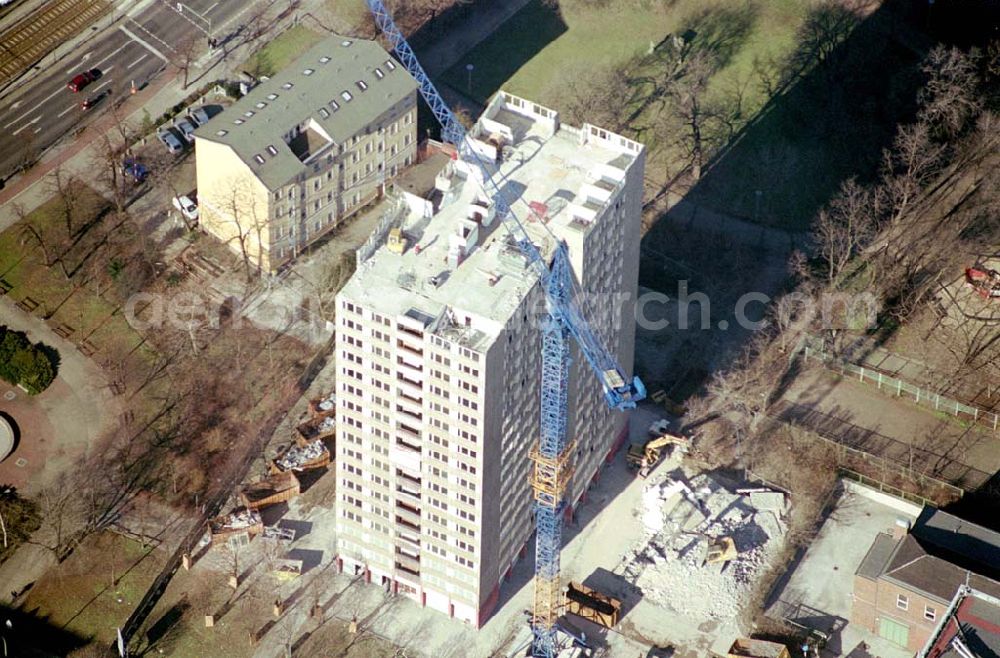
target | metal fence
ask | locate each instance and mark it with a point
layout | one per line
(903, 389)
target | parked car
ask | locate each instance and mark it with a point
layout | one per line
(170, 140)
(134, 170)
(199, 116)
(186, 128)
(187, 207)
(81, 80)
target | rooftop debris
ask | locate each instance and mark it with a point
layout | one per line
(300, 458)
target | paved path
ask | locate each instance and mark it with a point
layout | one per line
(79, 406)
(845, 410)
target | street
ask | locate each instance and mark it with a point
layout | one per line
(150, 36)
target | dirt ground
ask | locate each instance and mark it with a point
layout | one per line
(96, 588)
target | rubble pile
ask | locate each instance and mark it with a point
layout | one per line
(296, 457)
(241, 518)
(326, 425)
(680, 519)
(328, 403)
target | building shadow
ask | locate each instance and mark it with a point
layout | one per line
(26, 634)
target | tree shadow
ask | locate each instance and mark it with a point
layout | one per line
(30, 635)
(837, 100)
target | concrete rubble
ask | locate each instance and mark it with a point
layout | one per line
(297, 456)
(242, 518)
(679, 518)
(328, 404)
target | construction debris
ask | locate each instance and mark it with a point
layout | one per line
(984, 281)
(239, 521)
(591, 604)
(318, 427)
(747, 648)
(684, 521)
(306, 457)
(274, 489)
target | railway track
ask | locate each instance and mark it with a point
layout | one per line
(38, 33)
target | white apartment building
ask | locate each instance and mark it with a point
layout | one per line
(439, 358)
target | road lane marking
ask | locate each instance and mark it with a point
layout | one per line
(135, 37)
(110, 55)
(30, 123)
(66, 111)
(45, 100)
(144, 56)
(106, 82)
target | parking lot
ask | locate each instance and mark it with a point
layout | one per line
(817, 591)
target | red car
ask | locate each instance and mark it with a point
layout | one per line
(81, 80)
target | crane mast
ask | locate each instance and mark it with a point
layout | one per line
(552, 457)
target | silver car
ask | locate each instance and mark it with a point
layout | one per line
(170, 140)
(199, 116)
(186, 128)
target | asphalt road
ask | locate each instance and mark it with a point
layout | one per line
(134, 49)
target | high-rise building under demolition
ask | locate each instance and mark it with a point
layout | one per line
(439, 356)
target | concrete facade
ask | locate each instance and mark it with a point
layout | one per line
(439, 346)
(288, 162)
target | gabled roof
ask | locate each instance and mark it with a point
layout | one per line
(342, 84)
(941, 553)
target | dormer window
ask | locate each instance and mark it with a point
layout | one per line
(325, 113)
(379, 74)
(272, 97)
(391, 65)
(324, 59)
(238, 122)
(345, 43)
(259, 158)
(334, 105)
(346, 95)
(308, 72)
(287, 85)
(271, 149)
(362, 85)
(221, 133)
(248, 113)
(260, 105)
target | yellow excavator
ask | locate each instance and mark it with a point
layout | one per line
(645, 457)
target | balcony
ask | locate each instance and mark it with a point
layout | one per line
(410, 373)
(409, 349)
(408, 388)
(407, 515)
(407, 496)
(410, 406)
(407, 432)
(408, 570)
(407, 445)
(413, 480)
(409, 413)
(407, 563)
(408, 538)
(416, 333)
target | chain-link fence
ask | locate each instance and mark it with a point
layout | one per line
(903, 389)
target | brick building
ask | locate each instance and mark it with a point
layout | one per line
(908, 578)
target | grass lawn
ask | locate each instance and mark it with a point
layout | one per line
(60, 300)
(78, 594)
(283, 50)
(533, 52)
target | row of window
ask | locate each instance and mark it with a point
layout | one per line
(903, 603)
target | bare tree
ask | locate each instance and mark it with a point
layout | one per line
(187, 52)
(844, 227)
(66, 189)
(951, 94)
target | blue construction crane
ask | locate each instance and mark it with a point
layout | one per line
(552, 467)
